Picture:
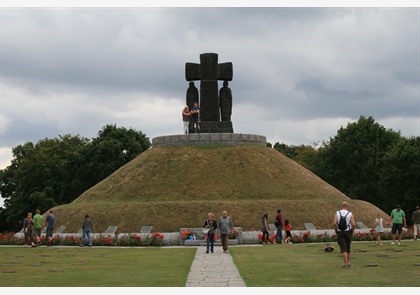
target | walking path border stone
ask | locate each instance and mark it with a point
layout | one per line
(214, 270)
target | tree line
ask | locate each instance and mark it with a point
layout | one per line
(363, 160)
(56, 171)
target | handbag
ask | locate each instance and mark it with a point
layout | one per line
(206, 230)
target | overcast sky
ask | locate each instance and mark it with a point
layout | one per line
(299, 74)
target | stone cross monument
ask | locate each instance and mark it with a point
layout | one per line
(209, 72)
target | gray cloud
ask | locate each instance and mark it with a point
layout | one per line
(299, 73)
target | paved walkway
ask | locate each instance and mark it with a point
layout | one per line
(213, 270)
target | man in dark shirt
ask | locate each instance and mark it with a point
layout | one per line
(279, 224)
(195, 118)
(50, 227)
(87, 228)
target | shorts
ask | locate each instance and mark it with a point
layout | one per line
(344, 240)
(288, 233)
(38, 231)
(395, 227)
(49, 232)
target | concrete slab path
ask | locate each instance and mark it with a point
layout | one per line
(214, 270)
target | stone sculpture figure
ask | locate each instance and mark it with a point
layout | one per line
(192, 95)
(208, 72)
(225, 102)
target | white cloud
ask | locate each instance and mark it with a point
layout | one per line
(5, 157)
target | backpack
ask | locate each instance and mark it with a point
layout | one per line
(342, 223)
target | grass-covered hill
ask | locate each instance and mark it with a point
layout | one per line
(174, 187)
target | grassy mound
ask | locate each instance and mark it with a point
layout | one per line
(174, 187)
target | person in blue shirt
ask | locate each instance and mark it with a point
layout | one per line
(195, 118)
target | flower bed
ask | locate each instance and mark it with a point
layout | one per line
(307, 237)
(155, 239)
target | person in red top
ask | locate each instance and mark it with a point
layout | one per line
(287, 228)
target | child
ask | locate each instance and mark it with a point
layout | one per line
(287, 228)
(379, 229)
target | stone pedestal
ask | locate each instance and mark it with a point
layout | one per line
(209, 139)
(216, 127)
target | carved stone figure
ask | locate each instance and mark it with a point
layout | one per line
(209, 71)
(225, 102)
(192, 95)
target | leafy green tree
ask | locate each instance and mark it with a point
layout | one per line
(352, 161)
(400, 176)
(56, 171)
(40, 176)
(113, 148)
(305, 155)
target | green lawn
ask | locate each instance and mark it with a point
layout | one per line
(308, 265)
(297, 265)
(94, 267)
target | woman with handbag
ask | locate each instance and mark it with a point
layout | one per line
(209, 230)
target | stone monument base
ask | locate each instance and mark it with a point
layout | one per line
(208, 139)
(216, 127)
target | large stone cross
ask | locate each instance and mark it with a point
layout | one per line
(208, 72)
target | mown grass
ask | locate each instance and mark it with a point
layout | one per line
(308, 265)
(94, 267)
(174, 187)
(297, 265)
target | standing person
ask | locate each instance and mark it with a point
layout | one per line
(87, 228)
(279, 224)
(195, 121)
(211, 224)
(416, 221)
(50, 227)
(28, 230)
(225, 228)
(264, 228)
(288, 228)
(344, 232)
(38, 226)
(379, 228)
(397, 218)
(186, 119)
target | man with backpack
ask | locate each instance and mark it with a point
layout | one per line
(344, 226)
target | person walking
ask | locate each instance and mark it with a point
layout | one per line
(344, 232)
(416, 221)
(87, 228)
(399, 221)
(211, 225)
(288, 228)
(38, 226)
(225, 228)
(28, 230)
(264, 228)
(379, 229)
(50, 227)
(279, 224)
